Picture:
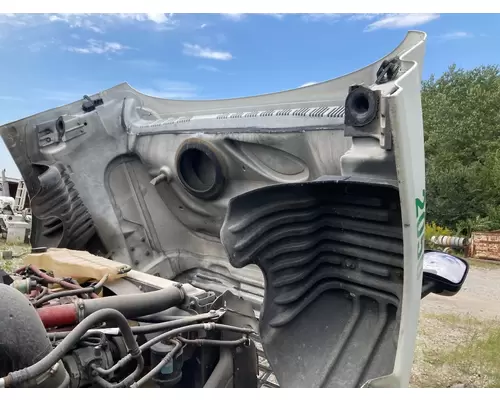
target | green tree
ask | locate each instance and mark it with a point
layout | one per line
(461, 111)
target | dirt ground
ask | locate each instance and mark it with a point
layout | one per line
(459, 337)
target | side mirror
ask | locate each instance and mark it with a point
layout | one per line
(444, 274)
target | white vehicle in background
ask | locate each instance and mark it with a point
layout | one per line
(306, 206)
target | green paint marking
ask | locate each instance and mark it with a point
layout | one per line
(420, 215)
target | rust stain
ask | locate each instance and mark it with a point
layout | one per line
(485, 245)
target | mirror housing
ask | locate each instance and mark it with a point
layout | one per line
(444, 274)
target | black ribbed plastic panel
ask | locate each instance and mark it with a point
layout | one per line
(63, 219)
(331, 252)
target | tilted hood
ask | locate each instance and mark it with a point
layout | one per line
(309, 203)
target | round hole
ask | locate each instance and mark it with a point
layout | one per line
(60, 126)
(197, 169)
(361, 104)
(200, 170)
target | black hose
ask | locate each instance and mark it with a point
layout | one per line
(171, 314)
(44, 291)
(223, 371)
(65, 383)
(127, 381)
(75, 292)
(171, 354)
(214, 342)
(136, 305)
(162, 326)
(168, 335)
(33, 371)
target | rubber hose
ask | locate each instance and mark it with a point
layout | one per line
(135, 305)
(45, 363)
(222, 374)
(23, 339)
(215, 342)
(153, 327)
(74, 292)
(51, 279)
(168, 335)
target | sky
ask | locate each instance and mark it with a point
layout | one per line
(48, 60)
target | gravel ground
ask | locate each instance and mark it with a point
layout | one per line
(459, 337)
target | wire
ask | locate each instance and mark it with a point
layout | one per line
(162, 326)
(211, 342)
(168, 335)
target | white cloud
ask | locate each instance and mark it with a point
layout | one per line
(308, 84)
(171, 90)
(277, 16)
(321, 17)
(395, 21)
(15, 20)
(234, 17)
(84, 21)
(98, 22)
(203, 26)
(208, 68)
(363, 17)
(196, 50)
(456, 35)
(99, 47)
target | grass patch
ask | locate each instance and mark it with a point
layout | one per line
(457, 351)
(13, 264)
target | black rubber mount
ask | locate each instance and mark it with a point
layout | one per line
(361, 106)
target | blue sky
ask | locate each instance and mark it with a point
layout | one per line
(52, 59)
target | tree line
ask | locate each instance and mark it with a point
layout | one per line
(462, 148)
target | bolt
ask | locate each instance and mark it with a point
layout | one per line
(136, 262)
(148, 253)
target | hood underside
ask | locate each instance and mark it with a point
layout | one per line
(302, 202)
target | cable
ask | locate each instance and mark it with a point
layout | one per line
(154, 327)
(212, 342)
(160, 365)
(44, 291)
(126, 381)
(75, 292)
(174, 332)
(17, 377)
